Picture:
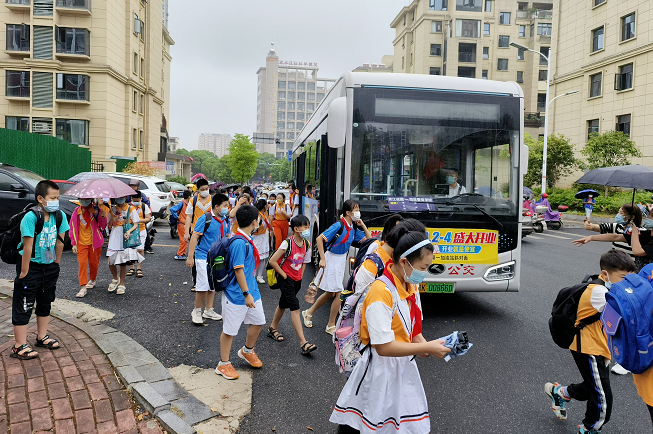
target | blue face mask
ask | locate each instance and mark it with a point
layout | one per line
(52, 206)
(306, 234)
(450, 179)
(416, 277)
(85, 202)
(607, 283)
(120, 200)
(619, 219)
(224, 212)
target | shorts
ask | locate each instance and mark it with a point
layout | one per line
(289, 289)
(202, 283)
(143, 235)
(38, 287)
(233, 315)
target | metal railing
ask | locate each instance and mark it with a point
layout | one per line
(533, 120)
(74, 4)
(467, 57)
(18, 2)
(543, 15)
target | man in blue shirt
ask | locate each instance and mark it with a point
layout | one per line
(38, 270)
(241, 300)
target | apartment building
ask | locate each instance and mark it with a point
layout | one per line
(95, 74)
(288, 92)
(604, 51)
(471, 38)
(218, 144)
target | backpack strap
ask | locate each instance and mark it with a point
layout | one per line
(192, 216)
(338, 234)
(594, 280)
(40, 221)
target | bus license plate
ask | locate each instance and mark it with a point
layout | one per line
(436, 288)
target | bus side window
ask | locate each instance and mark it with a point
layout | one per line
(317, 160)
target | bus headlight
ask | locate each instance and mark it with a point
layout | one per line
(500, 272)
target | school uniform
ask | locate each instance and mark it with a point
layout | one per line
(86, 235)
(262, 236)
(336, 257)
(292, 266)
(142, 210)
(218, 228)
(280, 223)
(644, 384)
(197, 207)
(293, 197)
(366, 274)
(181, 227)
(385, 394)
(116, 253)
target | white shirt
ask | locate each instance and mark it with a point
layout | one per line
(458, 190)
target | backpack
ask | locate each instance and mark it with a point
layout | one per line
(217, 263)
(346, 337)
(274, 282)
(628, 321)
(362, 251)
(564, 313)
(11, 238)
(333, 240)
(207, 223)
(174, 213)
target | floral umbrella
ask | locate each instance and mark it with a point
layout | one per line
(88, 175)
(104, 187)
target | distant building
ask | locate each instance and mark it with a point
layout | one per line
(173, 144)
(288, 93)
(164, 12)
(386, 65)
(218, 144)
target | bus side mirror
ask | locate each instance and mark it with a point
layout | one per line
(337, 122)
(524, 159)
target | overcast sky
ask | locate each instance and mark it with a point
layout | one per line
(220, 44)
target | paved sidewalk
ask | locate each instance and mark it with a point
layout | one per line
(70, 390)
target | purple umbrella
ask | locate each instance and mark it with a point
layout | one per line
(88, 175)
(104, 187)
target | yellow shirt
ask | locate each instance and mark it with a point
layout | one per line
(201, 207)
(85, 230)
(593, 339)
(644, 384)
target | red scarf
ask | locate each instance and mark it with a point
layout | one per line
(348, 228)
(221, 225)
(257, 260)
(415, 311)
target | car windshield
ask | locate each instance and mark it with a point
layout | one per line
(29, 177)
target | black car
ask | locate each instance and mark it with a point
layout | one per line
(17, 191)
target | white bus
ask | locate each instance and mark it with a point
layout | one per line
(447, 151)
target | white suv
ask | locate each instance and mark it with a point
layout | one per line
(155, 189)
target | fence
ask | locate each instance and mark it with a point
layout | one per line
(48, 156)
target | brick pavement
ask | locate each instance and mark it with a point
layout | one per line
(70, 390)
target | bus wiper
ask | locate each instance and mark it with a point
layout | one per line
(488, 215)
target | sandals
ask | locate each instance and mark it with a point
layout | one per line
(82, 292)
(90, 284)
(130, 272)
(121, 290)
(49, 345)
(308, 348)
(139, 273)
(275, 335)
(307, 319)
(193, 289)
(22, 352)
(113, 285)
(330, 330)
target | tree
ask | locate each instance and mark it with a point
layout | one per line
(140, 169)
(560, 160)
(242, 158)
(264, 166)
(223, 171)
(199, 158)
(612, 148)
(183, 152)
(281, 170)
(180, 179)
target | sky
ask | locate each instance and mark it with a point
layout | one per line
(220, 44)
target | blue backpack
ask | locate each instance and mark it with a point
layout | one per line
(217, 263)
(628, 321)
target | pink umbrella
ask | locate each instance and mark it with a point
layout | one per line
(104, 187)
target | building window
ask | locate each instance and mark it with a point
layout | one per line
(281, 95)
(290, 136)
(134, 138)
(520, 53)
(532, 30)
(468, 28)
(598, 2)
(281, 105)
(300, 126)
(18, 37)
(281, 115)
(542, 75)
(438, 5)
(628, 27)
(281, 125)
(138, 25)
(597, 39)
(291, 105)
(592, 128)
(504, 41)
(544, 29)
(486, 29)
(310, 86)
(488, 5)
(466, 72)
(504, 18)
(545, 51)
(310, 106)
(142, 104)
(290, 126)
(72, 41)
(520, 76)
(623, 124)
(301, 85)
(135, 63)
(141, 137)
(300, 106)
(281, 85)
(310, 96)
(436, 50)
(484, 74)
(467, 53)
(436, 26)
(73, 87)
(281, 135)
(595, 85)
(624, 80)
(541, 102)
(17, 84)
(486, 52)
(291, 116)
(434, 70)
(320, 96)
(502, 64)
(292, 85)
(301, 96)
(142, 67)
(291, 96)
(135, 101)
(73, 131)
(300, 116)
(522, 31)
(16, 123)
(469, 5)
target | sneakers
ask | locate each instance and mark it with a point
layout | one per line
(559, 404)
(227, 371)
(212, 314)
(260, 279)
(250, 358)
(582, 430)
(619, 370)
(196, 316)
(113, 285)
(181, 258)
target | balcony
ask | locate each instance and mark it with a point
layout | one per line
(523, 15)
(467, 57)
(533, 120)
(19, 5)
(74, 7)
(543, 15)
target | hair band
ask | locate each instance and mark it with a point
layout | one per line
(415, 247)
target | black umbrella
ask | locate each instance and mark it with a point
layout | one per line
(634, 176)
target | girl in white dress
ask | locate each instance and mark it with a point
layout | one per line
(384, 393)
(119, 256)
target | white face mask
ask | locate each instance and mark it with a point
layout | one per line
(204, 193)
(356, 215)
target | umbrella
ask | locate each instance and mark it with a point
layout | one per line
(216, 186)
(584, 193)
(634, 176)
(105, 187)
(198, 176)
(528, 192)
(88, 175)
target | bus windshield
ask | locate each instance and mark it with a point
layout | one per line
(455, 151)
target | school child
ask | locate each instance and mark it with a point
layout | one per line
(121, 213)
(644, 384)
(290, 273)
(87, 241)
(198, 249)
(262, 239)
(594, 356)
(280, 212)
(144, 215)
(333, 245)
(589, 203)
(293, 197)
(38, 270)
(243, 199)
(199, 205)
(384, 392)
(241, 300)
(179, 212)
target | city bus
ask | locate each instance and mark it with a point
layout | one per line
(447, 151)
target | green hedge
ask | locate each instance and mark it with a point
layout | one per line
(603, 204)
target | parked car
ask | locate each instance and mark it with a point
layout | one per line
(177, 190)
(154, 188)
(64, 186)
(17, 191)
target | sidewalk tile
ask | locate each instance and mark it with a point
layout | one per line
(120, 400)
(50, 366)
(21, 428)
(103, 410)
(16, 395)
(35, 384)
(80, 400)
(107, 428)
(69, 371)
(41, 420)
(38, 400)
(33, 370)
(85, 365)
(64, 426)
(104, 369)
(80, 356)
(18, 413)
(74, 383)
(14, 369)
(16, 381)
(61, 408)
(54, 377)
(65, 361)
(85, 421)
(56, 390)
(126, 420)
(149, 427)
(98, 392)
(91, 376)
(111, 383)
(99, 359)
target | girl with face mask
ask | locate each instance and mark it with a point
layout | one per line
(121, 214)
(261, 238)
(385, 384)
(86, 224)
(280, 213)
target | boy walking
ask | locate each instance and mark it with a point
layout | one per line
(241, 300)
(38, 270)
(179, 212)
(593, 359)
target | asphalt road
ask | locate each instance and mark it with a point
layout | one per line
(496, 388)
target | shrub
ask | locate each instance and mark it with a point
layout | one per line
(179, 179)
(604, 204)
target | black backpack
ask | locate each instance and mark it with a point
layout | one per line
(362, 251)
(562, 323)
(11, 238)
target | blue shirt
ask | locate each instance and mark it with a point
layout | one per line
(340, 248)
(241, 256)
(215, 231)
(46, 241)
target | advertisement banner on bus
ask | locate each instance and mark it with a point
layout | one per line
(310, 211)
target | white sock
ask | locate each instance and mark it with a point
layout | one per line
(247, 350)
(223, 363)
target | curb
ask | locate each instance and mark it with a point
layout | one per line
(141, 373)
(581, 218)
